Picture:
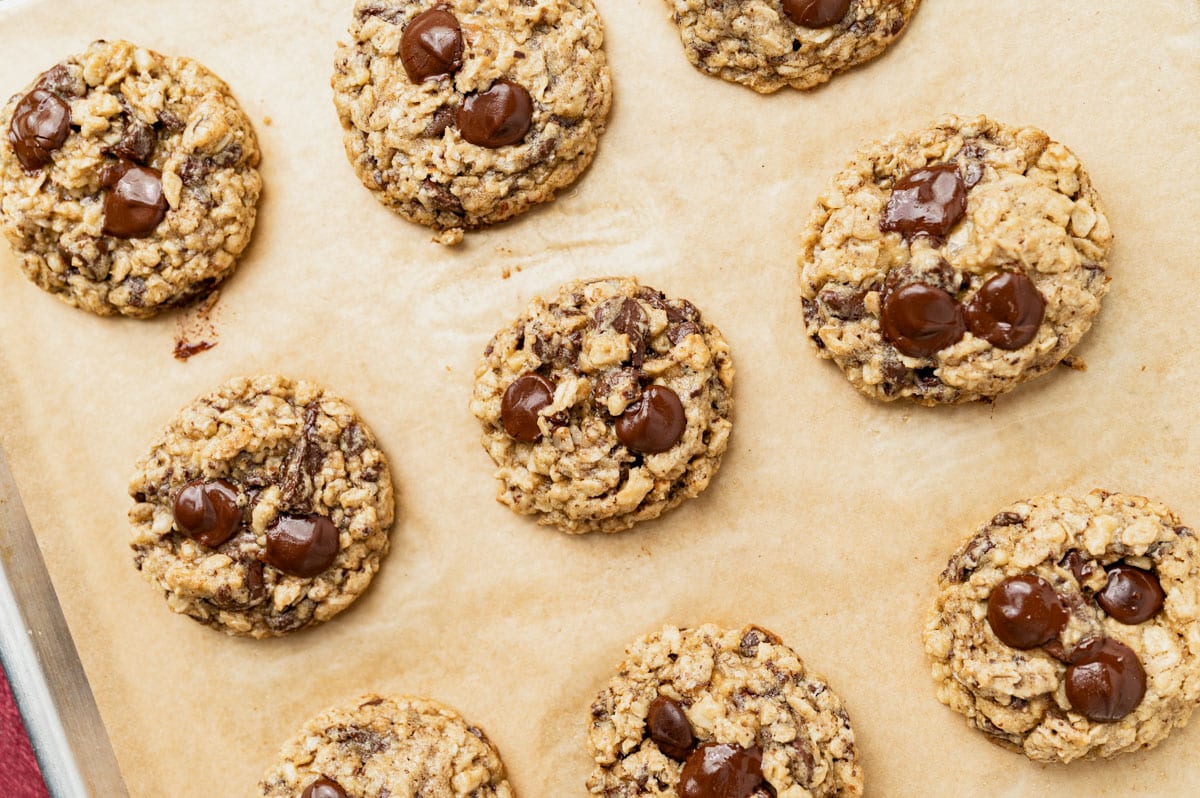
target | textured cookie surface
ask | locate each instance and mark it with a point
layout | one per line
(605, 352)
(402, 747)
(305, 522)
(1078, 548)
(405, 136)
(759, 44)
(743, 689)
(953, 263)
(128, 180)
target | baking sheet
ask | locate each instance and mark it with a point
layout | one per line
(831, 517)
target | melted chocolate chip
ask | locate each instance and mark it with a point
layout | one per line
(926, 201)
(324, 788)
(302, 545)
(1105, 681)
(669, 728)
(1131, 595)
(431, 45)
(137, 141)
(39, 126)
(654, 423)
(207, 511)
(721, 770)
(522, 403)
(1080, 566)
(497, 117)
(921, 320)
(1006, 311)
(1025, 612)
(135, 203)
(847, 305)
(816, 13)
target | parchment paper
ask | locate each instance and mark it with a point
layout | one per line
(832, 516)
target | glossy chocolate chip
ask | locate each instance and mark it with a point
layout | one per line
(134, 204)
(669, 728)
(207, 511)
(816, 13)
(1006, 311)
(1080, 565)
(721, 770)
(522, 403)
(497, 117)
(302, 545)
(1025, 612)
(927, 201)
(654, 423)
(1131, 595)
(1105, 681)
(324, 788)
(431, 45)
(39, 126)
(921, 320)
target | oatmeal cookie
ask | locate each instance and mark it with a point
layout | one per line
(604, 406)
(462, 113)
(1069, 628)
(691, 709)
(263, 507)
(954, 263)
(402, 747)
(128, 180)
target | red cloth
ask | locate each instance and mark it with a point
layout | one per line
(19, 774)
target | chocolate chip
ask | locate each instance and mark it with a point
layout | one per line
(654, 423)
(927, 201)
(1105, 681)
(60, 80)
(137, 141)
(669, 728)
(1132, 595)
(194, 170)
(302, 545)
(1006, 519)
(521, 405)
(431, 45)
(846, 305)
(442, 119)
(207, 511)
(816, 13)
(497, 117)
(441, 197)
(1006, 311)
(324, 788)
(170, 122)
(752, 636)
(1025, 612)
(677, 332)
(254, 580)
(39, 126)
(135, 204)
(722, 770)
(920, 320)
(1080, 566)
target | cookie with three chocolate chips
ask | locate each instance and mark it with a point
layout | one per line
(462, 113)
(606, 405)
(954, 263)
(1069, 628)
(262, 508)
(128, 180)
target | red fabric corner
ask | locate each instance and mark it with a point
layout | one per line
(19, 773)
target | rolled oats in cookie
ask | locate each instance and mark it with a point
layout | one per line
(769, 44)
(605, 405)
(716, 713)
(954, 263)
(458, 114)
(262, 508)
(401, 746)
(128, 180)
(1069, 627)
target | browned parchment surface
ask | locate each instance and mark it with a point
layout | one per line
(831, 517)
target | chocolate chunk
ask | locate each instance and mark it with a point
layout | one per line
(1006, 311)
(816, 13)
(302, 545)
(653, 423)
(441, 197)
(304, 461)
(170, 122)
(926, 201)
(135, 204)
(669, 728)
(920, 320)
(722, 770)
(137, 141)
(39, 126)
(1105, 681)
(60, 80)
(254, 580)
(194, 170)
(207, 511)
(522, 402)
(1132, 595)
(846, 305)
(1080, 566)
(677, 332)
(497, 117)
(324, 788)
(1025, 612)
(1006, 519)
(442, 119)
(431, 45)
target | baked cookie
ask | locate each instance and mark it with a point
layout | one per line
(705, 712)
(263, 507)
(769, 44)
(462, 113)
(953, 263)
(127, 180)
(1070, 627)
(402, 747)
(604, 406)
